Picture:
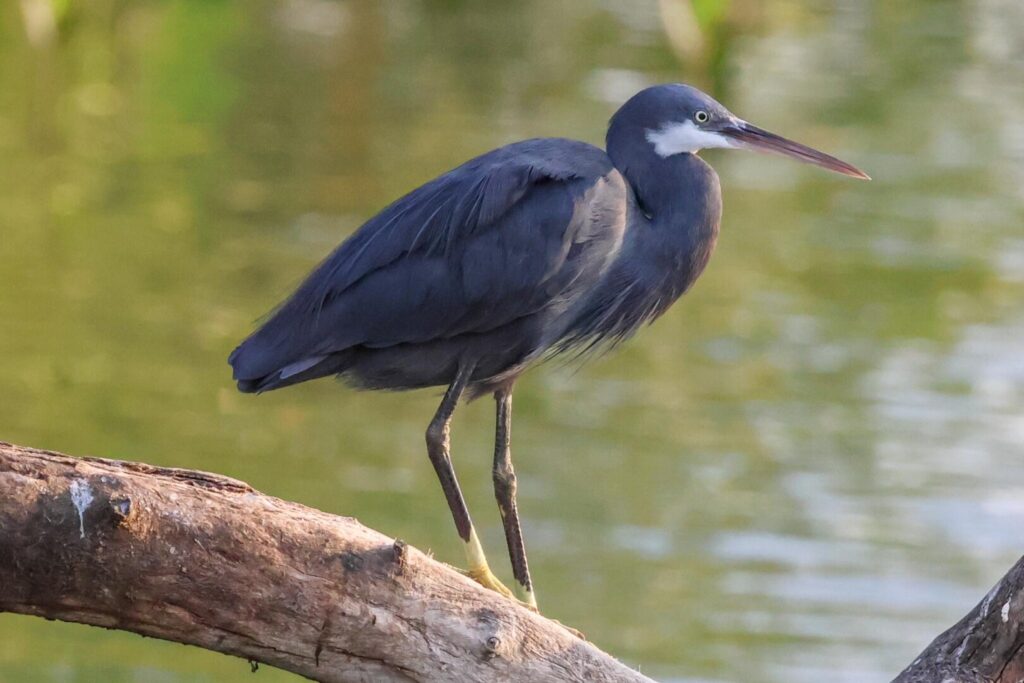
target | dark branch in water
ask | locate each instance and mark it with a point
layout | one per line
(986, 646)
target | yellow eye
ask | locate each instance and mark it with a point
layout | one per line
(701, 117)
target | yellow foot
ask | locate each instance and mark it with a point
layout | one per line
(487, 579)
(484, 576)
(481, 573)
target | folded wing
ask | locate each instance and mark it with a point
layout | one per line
(498, 238)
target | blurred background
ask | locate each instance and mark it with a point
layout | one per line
(805, 471)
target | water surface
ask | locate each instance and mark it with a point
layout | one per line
(804, 472)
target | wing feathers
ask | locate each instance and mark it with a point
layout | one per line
(399, 278)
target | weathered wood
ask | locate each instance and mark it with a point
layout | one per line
(986, 646)
(206, 560)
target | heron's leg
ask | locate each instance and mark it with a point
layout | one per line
(505, 493)
(438, 449)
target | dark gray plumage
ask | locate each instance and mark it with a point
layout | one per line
(482, 261)
(536, 248)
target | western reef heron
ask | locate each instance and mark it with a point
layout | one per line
(537, 248)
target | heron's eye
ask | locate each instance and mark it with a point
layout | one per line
(701, 117)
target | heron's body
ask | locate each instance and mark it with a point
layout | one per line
(538, 247)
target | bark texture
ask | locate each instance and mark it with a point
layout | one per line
(206, 560)
(986, 646)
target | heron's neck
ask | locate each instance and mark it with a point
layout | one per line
(681, 204)
(671, 233)
(669, 187)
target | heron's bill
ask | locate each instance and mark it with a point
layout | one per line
(745, 135)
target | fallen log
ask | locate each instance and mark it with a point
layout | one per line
(206, 560)
(986, 646)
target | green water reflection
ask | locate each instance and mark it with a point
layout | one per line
(803, 472)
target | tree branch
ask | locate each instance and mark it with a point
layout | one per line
(206, 560)
(986, 646)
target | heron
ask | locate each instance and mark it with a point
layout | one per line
(542, 247)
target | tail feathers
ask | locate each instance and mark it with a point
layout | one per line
(280, 341)
(253, 359)
(282, 352)
(295, 368)
(303, 370)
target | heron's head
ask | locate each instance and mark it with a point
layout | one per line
(679, 119)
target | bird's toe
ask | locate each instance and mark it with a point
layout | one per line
(486, 578)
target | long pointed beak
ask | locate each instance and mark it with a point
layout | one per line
(748, 136)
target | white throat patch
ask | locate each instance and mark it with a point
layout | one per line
(676, 138)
